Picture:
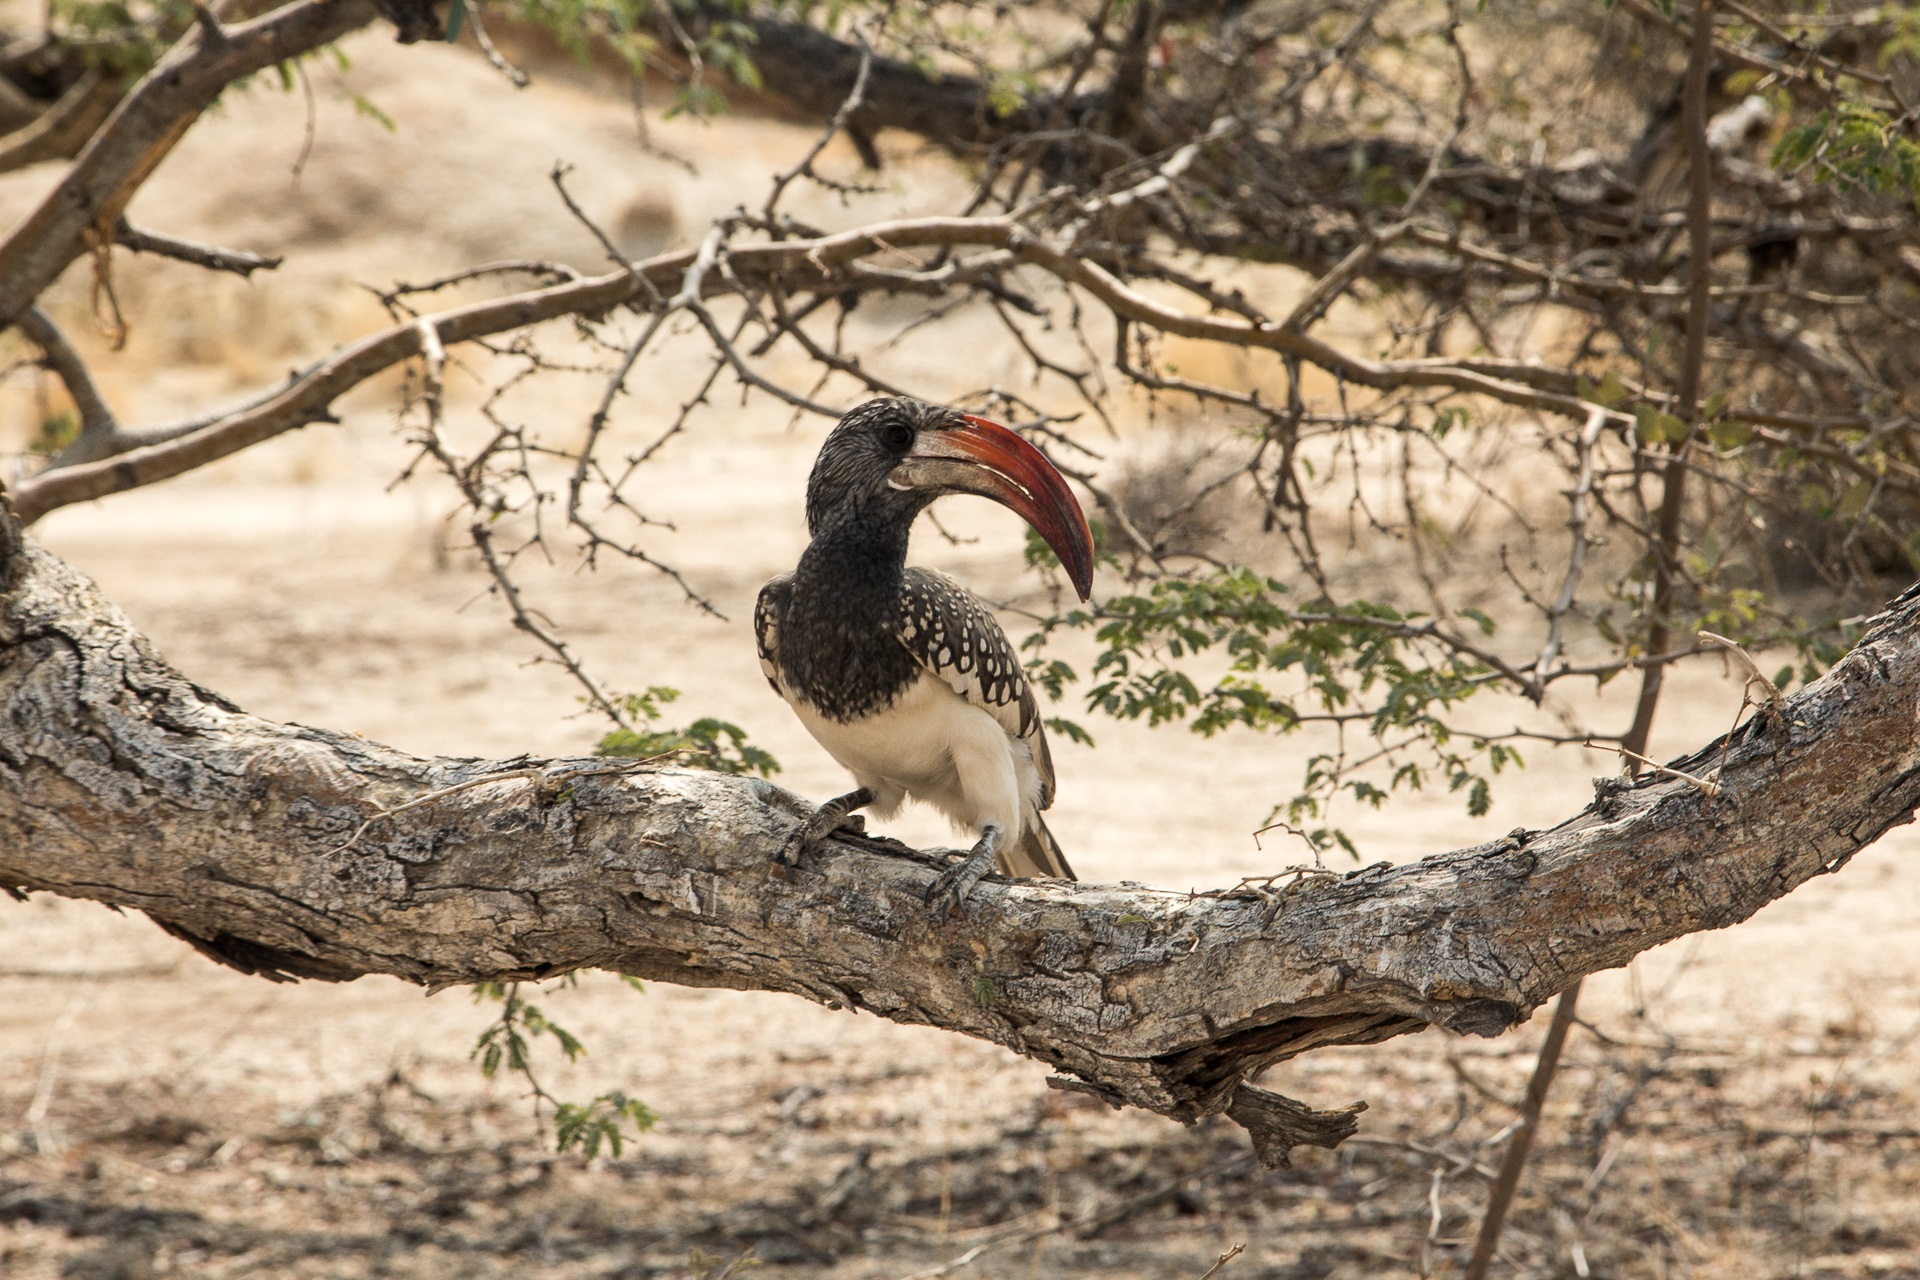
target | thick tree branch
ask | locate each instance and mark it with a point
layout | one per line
(124, 783)
(813, 73)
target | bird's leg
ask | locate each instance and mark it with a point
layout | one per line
(953, 885)
(827, 819)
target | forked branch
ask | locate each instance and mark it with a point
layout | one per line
(83, 209)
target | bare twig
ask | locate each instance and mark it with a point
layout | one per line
(1578, 500)
(1222, 1261)
(1776, 701)
(212, 257)
(1088, 1223)
(1330, 286)
(855, 98)
(518, 78)
(46, 1140)
(434, 357)
(1708, 787)
(486, 507)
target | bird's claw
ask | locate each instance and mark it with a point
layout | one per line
(950, 888)
(808, 836)
(796, 847)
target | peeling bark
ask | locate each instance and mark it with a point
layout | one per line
(122, 782)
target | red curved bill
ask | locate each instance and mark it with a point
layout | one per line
(1027, 483)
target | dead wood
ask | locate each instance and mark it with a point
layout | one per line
(122, 782)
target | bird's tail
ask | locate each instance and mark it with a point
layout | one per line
(1036, 853)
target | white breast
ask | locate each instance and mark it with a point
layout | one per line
(932, 745)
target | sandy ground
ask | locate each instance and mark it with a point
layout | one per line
(1743, 1103)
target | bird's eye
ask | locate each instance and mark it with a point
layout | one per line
(897, 436)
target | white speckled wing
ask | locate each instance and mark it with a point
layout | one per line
(953, 636)
(766, 626)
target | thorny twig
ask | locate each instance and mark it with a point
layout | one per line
(855, 99)
(212, 257)
(1578, 541)
(1776, 701)
(487, 505)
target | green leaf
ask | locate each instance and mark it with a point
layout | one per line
(1730, 433)
(1656, 426)
(582, 1126)
(57, 431)
(364, 106)
(1854, 500)
(1069, 730)
(1853, 144)
(707, 743)
(1608, 392)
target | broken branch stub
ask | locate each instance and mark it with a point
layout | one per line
(122, 782)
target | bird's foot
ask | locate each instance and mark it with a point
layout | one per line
(952, 886)
(836, 814)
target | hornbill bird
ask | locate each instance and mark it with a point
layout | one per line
(902, 675)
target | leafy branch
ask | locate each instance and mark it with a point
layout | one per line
(707, 743)
(1361, 663)
(607, 1120)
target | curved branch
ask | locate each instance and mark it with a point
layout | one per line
(97, 422)
(122, 782)
(827, 264)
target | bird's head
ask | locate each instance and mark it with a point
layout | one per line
(891, 458)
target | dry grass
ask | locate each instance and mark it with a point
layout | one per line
(1777, 1154)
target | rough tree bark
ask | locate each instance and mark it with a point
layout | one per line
(123, 782)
